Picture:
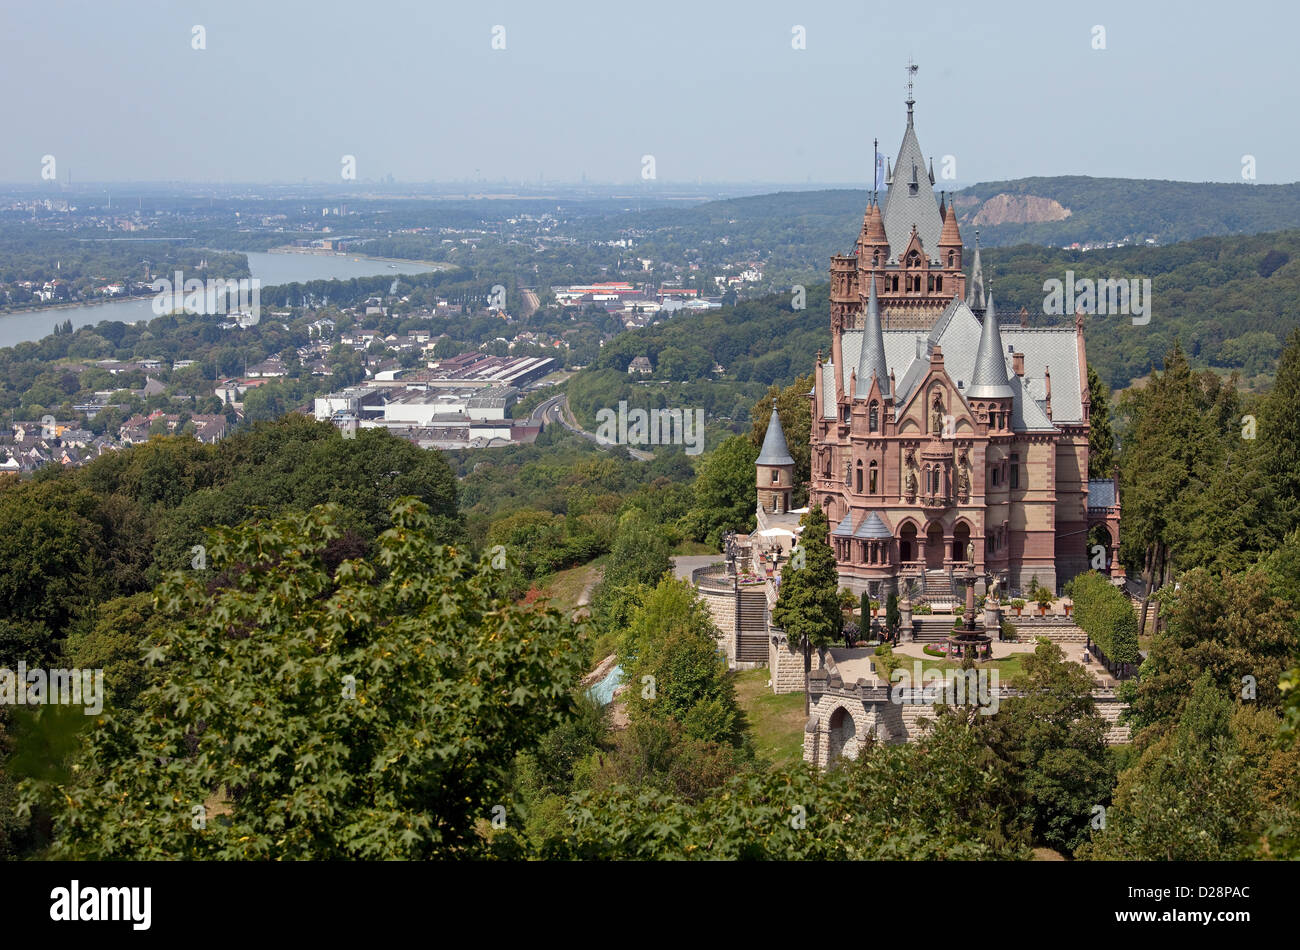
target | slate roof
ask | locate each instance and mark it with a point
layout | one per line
(988, 379)
(774, 451)
(958, 332)
(872, 529)
(1101, 492)
(903, 207)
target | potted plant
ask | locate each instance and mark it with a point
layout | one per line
(1018, 604)
(1068, 607)
(1044, 600)
(875, 607)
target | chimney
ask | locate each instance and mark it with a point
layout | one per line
(1018, 363)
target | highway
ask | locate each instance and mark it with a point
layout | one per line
(556, 410)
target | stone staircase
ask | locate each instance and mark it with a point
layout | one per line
(933, 628)
(751, 639)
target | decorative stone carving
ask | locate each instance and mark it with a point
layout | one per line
(910, 489)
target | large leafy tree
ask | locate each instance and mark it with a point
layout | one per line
(1054, 743)
(1190, 797)
(938, 798)
(808, 606)
(1230, 631)
(725, 495)
(369, 711)
(673, 641)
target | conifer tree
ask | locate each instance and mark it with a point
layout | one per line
(808, 607)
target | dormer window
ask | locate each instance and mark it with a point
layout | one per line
(873, 418)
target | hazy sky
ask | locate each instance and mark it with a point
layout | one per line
(713, 90)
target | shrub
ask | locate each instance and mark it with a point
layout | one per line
(1103, 612)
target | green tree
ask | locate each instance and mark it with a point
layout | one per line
(369, 712)
(808, 606)
(1190, 797)
(1101, 439)
(724, 492)
(1054, 743)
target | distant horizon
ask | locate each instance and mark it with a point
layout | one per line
(488, 187)
(764, 92)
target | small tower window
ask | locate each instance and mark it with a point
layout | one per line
(873, 478)
(873, 418)
(776, 476)
(859, 479)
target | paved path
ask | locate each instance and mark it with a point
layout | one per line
(683, 564)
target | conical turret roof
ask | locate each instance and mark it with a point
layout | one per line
(774, 451)
(950, 235)
(872, 359)
(989, 378)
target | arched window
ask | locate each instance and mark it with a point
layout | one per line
(873, 418)
(952, 257)
(872, 478)
(875, 258)
(938, 283)
(859, 481)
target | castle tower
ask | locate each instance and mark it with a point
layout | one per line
(775, 469)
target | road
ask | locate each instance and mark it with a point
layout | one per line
(556, 409)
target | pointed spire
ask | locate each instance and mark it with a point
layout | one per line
(876, 230)
(889, 171)
(975, 292)
(872, 360)
(989, 377)
(932, 169)
(775, 451)
(950, 236)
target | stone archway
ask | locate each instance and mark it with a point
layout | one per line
(907, 550)
(1099, 534)
(934, 547)
(961, 542)
(842, 738)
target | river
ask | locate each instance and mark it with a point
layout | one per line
(270, 269)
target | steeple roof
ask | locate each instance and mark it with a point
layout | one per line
(872, 359)
(774, 451)
(975, 292)
(875, 227)
(910, 199)
(950, 233)
(989, 378)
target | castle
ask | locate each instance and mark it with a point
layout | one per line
(943, 442)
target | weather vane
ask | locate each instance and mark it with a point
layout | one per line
(911, 73)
